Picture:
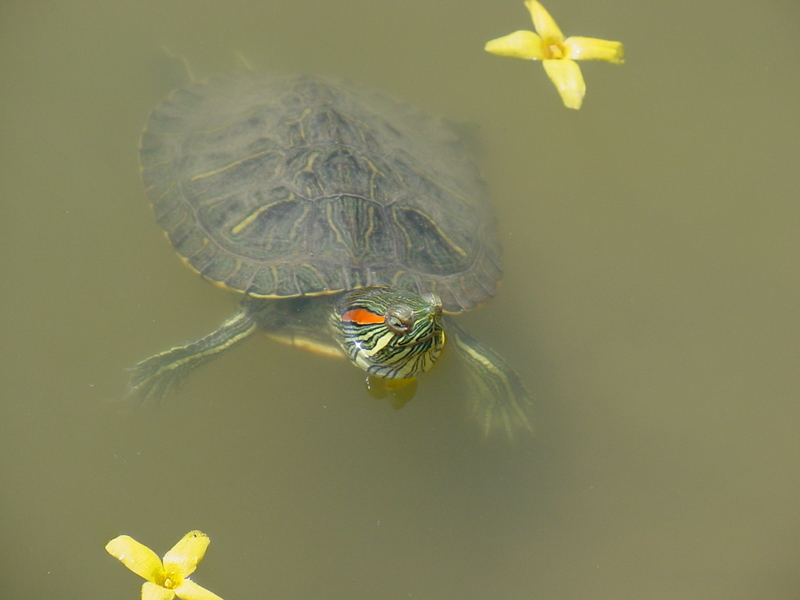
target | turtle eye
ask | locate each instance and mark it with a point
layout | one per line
(399, 319)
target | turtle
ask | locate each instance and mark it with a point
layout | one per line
(348, 223)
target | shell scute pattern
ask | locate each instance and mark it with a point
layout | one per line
(288, 186)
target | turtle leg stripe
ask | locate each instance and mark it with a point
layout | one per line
(497, 395)
(154, 377)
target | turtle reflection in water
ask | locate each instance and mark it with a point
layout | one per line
(351, 225)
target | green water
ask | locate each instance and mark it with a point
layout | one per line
(650, 302)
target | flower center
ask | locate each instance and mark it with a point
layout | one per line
(553, 49)
(171, 580)
(169, 584)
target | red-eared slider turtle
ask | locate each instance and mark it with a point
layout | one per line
(348, 222)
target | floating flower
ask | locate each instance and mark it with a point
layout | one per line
(558, 55)
(169, 578)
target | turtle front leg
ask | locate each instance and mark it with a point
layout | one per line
(498, 397)
(154, 377)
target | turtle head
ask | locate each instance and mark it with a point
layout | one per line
(388, 332)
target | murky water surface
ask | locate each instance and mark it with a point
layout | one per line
(650, 302)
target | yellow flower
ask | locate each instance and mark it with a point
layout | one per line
(166, 579)
(558, 55)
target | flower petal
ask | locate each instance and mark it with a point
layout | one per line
(543, 22)
(182, 560)
(189, 590)
(137, 557)
(151, 591)
(567, 77)
(583, 48)
(520, 44)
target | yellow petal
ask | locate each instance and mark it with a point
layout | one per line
(137, 557)
(520, 44)
(189, 590)
(567, 77)
(583, 48)
(543, 22)
(182, 559)
(151, 591)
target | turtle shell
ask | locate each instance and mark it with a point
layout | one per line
(297, 186)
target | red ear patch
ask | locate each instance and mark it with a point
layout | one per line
(362, 316)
